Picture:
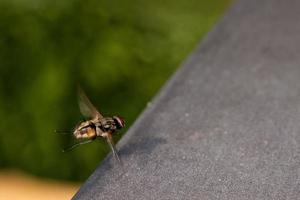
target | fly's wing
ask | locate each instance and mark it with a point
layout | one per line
(113, 149)
(86, 107)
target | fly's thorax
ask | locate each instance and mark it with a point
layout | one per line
(84, 130)
(108, 125)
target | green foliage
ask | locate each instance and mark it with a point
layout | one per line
(120, 52)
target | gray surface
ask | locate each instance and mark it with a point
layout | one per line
(227, 125)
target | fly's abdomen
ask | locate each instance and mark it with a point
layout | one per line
(85, 132)
(91, 132)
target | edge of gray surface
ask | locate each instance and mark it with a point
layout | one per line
(226, 125)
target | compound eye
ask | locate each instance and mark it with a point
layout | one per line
(119, 122)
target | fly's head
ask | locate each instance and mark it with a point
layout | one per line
(85, 130)
(119, 122)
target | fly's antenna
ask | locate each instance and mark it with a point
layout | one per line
(76, 145)
(64, 132)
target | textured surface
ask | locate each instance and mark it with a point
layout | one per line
(227, 125)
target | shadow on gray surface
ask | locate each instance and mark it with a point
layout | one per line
(139, 147)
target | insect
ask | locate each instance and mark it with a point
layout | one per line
(97, 126)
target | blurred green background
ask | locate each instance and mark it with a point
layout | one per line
(120, 51)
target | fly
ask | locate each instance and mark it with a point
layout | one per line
(97, 126)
